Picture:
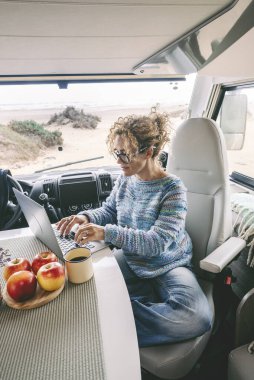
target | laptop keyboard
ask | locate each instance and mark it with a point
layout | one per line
(66, 242)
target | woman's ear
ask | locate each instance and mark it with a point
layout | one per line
(149, 152)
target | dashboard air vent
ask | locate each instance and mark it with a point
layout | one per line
(106, 183)
(76, 179)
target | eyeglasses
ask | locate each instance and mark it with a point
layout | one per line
(124, 157)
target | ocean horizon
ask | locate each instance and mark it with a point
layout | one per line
(48, 106)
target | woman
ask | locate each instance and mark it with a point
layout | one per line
(144, 218)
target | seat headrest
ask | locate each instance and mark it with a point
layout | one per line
(198, 155)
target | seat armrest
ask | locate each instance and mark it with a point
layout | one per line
(221, 256)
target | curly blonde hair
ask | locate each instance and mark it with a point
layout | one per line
(141, 132)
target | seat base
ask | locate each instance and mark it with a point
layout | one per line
(175, 360)
(241, 364)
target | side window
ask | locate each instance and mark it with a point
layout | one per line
(236, 119)
(238, 128)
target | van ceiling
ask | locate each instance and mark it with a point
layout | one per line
(96, 37)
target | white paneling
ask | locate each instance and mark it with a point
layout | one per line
(53, 20)
(66, 66)
(237, 61)
(90, 48)
(132, 2)
(80, 32)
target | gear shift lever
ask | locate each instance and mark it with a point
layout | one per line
(48, 207)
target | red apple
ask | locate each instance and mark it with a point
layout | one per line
(41, 259)
(15, 265)
(21, 285)
(51, 276)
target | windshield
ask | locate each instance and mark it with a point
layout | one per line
(43, 126)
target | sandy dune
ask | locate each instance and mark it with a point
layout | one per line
(78, 144)
(85, 144)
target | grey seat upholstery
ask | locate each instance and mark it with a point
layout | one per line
(198, 157)
(241, 364)
(241, 359)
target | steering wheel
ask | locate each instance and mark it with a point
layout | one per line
(12, 212)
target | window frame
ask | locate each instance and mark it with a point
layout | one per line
(213, 109)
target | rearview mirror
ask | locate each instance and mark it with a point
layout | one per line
(233, 117)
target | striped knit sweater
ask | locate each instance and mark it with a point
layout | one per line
(146, 219)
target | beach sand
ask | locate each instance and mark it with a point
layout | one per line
(79, 144)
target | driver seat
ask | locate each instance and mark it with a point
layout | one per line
(198, 156)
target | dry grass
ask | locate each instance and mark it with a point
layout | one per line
(23, 155)
(17, 148)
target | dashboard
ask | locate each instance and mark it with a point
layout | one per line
(69, 192)
(63, 192)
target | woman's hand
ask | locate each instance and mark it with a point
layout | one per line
(65, 225)
(89, 232)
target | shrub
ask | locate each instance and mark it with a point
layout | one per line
(32, 128)
(16, 148)
(78, 118)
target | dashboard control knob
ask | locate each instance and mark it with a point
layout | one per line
(44, 198)
(50, 210)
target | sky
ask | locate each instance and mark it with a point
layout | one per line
(94, 94)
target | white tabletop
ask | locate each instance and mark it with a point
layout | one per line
(116, 318)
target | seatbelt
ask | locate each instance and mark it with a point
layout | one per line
(4, 193)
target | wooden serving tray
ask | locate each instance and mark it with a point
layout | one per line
(41, 297)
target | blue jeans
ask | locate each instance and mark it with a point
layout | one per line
(168, 308)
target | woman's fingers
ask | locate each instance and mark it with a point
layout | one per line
(86, 231)
(89, 232)
(83, 234)
(65, 225)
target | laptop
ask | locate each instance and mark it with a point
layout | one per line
(48, 234)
